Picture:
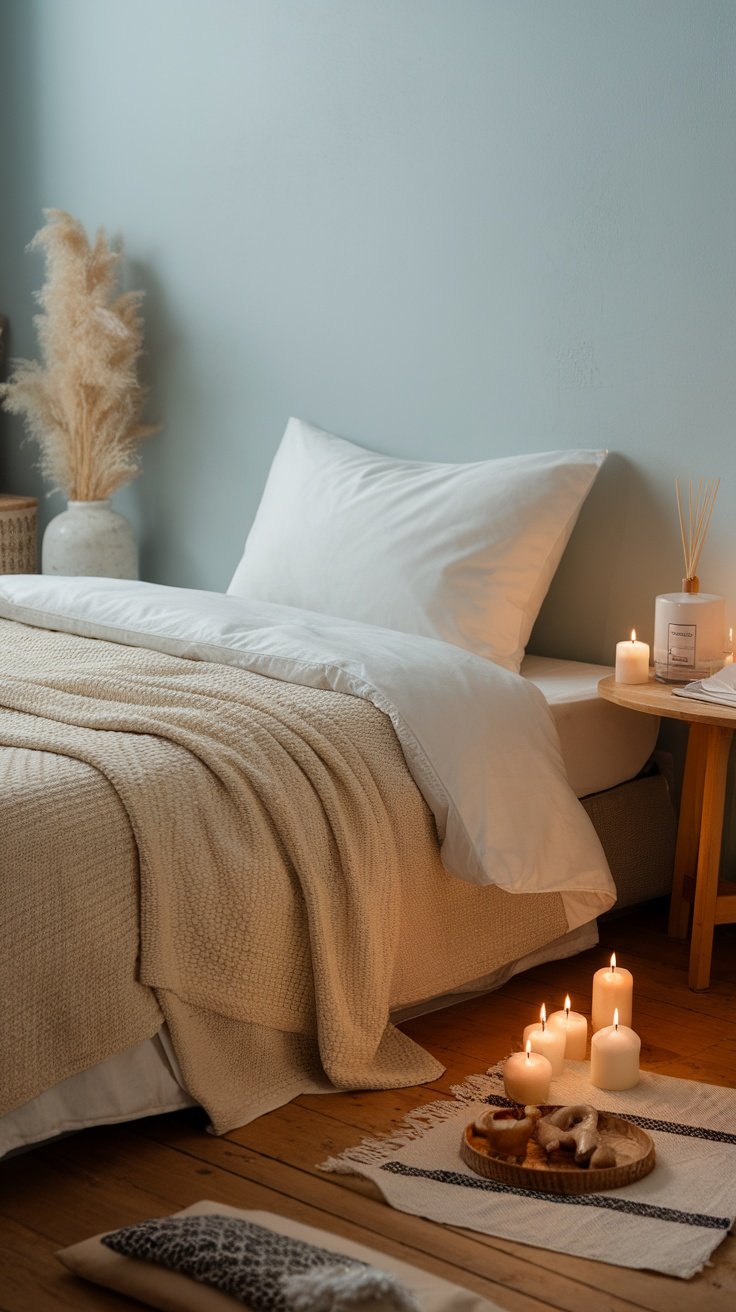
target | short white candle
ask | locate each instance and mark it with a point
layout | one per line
(574, 1026)
(614, 1057)
(550, 1043)
(612, 988)
(632, 661)
(527, 1076)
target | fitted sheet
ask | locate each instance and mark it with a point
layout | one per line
(602, 745)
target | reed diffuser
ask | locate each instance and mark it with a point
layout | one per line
(689, 626)
(699, 511)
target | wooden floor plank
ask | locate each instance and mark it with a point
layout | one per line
(527, 1273)
(229, 1174)
(290, 1137)
(32, 1280)
(103, 1178)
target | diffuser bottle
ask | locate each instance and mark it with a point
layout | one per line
(688, 634)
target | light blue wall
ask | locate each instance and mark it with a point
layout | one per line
(443, 228)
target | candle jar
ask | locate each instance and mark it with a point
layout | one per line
(688, 635)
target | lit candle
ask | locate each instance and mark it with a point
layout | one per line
(527, 1076)
(632, 661)
(728, 655)
(574, 1026)
(614, 1057)
(612, 988)
(550, 1043)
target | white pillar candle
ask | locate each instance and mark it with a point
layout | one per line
(527, 1076)
(632, 661)
(614, 1057)
(574, 1026)
(612, 988)
(550, 1043)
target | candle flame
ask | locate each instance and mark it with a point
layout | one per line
(543, 1015)
(568, 1004)
(633, 635)
(613, 961)
(615, 1018)
(528, 1049)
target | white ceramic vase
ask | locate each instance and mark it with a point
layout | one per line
(90, 538)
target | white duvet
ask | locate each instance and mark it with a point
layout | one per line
(478, 740)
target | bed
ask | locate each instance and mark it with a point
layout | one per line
(126, 713)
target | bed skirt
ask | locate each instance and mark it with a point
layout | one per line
(637, 826)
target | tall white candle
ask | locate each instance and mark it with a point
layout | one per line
(632, 661)
(527, 1076)
(574, 1026)
(612, 987)
(614, 1057)
(550, 1043)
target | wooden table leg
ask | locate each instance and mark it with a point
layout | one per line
(688, 828)
(718, 744)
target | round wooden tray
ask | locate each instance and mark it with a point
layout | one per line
(558, 1174)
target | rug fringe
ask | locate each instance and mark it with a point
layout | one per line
(374, 1150)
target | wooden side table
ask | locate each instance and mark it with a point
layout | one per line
(700, 828)
(18, 535)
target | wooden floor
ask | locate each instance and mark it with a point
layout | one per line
(104, 1178)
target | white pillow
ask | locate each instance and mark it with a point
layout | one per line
(464, 553)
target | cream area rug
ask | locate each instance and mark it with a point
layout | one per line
(671, 1221)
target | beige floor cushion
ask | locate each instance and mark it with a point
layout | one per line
(174, 1292)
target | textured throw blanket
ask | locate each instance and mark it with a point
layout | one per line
(246, 836)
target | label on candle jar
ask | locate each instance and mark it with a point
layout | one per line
(681, 645)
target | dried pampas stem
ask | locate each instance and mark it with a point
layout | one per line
(83, 404)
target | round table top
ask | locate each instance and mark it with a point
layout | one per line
(658, 699)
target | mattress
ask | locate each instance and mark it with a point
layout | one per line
(602, 745)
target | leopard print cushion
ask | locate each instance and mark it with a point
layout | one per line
(240, 1258)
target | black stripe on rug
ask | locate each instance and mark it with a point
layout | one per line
(645, 1122)
(602, 1201)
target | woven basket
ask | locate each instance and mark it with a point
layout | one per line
(557, 1173)
(18, 535)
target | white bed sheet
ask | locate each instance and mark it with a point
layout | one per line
(602, 745)
(504, 810)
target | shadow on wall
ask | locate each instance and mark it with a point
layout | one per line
(163, 365)
(575, 621)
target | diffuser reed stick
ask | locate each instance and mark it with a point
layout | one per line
(700, 505)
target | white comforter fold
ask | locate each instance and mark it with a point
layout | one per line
(479, 741)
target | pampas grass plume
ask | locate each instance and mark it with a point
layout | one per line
(83, 404)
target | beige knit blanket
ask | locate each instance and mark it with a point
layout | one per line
(191, 840)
